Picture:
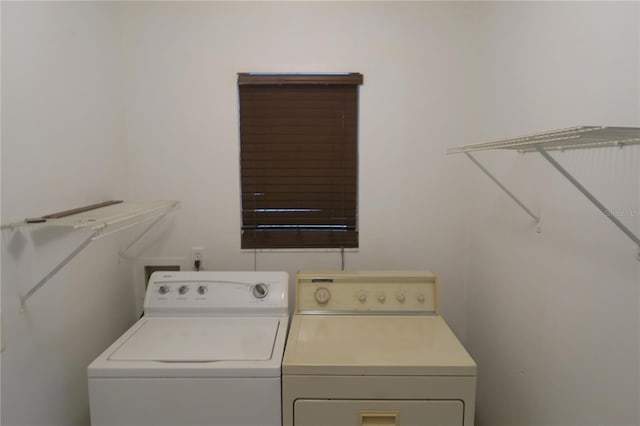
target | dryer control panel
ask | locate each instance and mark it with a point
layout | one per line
(211, 293)
(360, 292)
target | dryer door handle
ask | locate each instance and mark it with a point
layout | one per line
(378, 418)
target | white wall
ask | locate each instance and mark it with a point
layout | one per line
(553, 318)
(62, 147)
(182, 63)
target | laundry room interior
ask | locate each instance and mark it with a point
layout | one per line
(138, 101)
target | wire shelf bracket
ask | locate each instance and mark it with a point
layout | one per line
(527, 210)
(563, 139)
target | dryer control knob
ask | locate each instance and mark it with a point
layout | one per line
(163, 289)
(381, 297)
(183, 289)
(202, 290)
(400, 296)
(420, 297)
(260, 290)
(322, 295)
(362, 296)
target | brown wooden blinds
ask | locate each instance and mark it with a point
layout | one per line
(298, 136)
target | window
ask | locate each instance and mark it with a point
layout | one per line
(298, 153)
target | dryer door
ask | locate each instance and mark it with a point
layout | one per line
(322, 412)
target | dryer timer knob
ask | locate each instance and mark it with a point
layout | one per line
(163, 289)
(322, 295)
(260, 290)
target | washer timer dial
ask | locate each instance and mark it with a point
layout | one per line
(260, 290)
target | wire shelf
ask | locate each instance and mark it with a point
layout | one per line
(104, 220)
(101, 221)
(562, 139)
(110, 219)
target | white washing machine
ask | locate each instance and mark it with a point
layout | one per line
(369, 348)
(207, 352)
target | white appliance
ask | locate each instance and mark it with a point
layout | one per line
(207, 352)
(369, 348)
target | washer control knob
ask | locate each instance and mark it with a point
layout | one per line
(322, 295)
(362, 296)
(381, 297)
(420, 297)
(163, 289)
(202, 290)
(400, 297)
(184, 289)
(260, 290)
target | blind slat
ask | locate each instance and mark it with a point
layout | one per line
(294, 239)
(279, 167)
(295, 222)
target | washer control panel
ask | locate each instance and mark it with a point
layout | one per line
(366, 292)
(178, 290)
(216, 292)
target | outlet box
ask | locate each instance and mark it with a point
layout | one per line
(144, 269)
(150, 269)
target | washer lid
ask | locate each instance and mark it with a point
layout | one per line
(200, 340)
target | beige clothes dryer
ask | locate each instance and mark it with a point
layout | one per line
(368, 348)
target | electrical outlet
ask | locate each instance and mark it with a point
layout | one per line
(197, 251)
(197, 255)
